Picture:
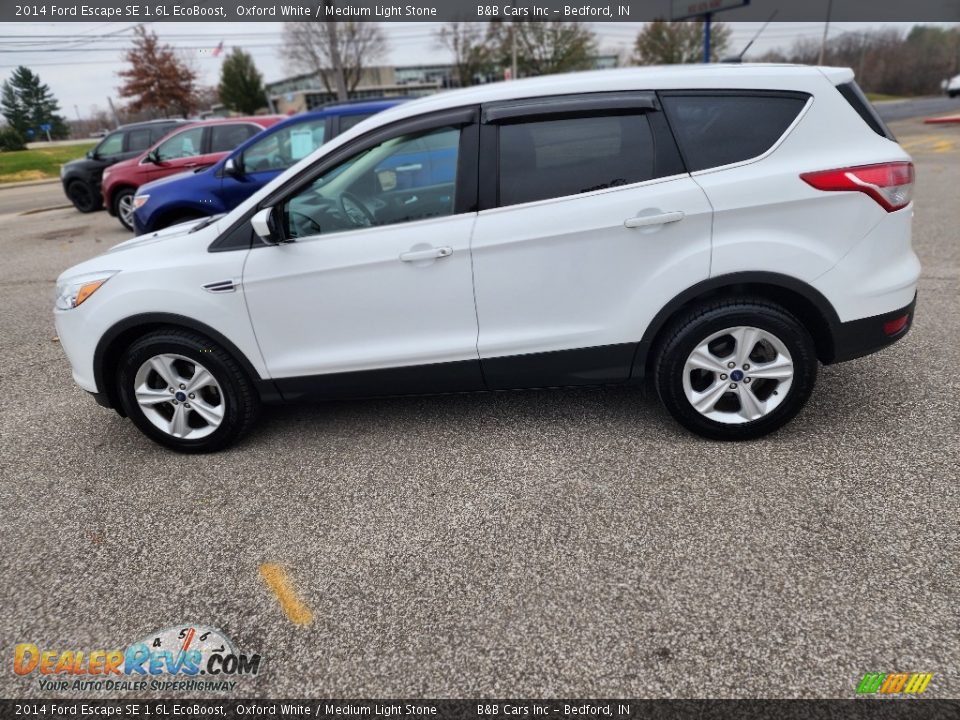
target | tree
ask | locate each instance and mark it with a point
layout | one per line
(241, 85)
(471, 56)
(337, 52)
(157, 80)
(669, 43)
(543, 47)
(27, 104)
(887, 61)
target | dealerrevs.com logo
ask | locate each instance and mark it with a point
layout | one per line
(894, 683)
(186, 657)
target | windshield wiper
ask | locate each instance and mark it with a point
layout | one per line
(206, 221)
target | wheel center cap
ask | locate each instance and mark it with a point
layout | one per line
(181, 396)
(736, 375)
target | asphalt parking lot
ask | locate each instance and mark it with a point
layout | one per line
(564, 544)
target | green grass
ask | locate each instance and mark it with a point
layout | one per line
(38, 164)
(874, 97)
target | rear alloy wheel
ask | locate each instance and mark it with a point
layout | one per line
(736, 370)
(83, 197)
(123, 207)
(185, 392)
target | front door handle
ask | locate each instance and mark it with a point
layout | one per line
(429, 254)
(648, 220)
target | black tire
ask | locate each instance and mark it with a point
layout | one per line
(84, 198)
(241, 404)
(697, 325)
(118, 198)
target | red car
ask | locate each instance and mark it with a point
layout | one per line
(194, 146)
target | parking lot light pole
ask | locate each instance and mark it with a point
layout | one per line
(706, 36)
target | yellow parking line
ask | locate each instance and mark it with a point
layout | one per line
(276, 579)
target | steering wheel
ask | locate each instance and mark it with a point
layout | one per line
(304, 225)
(355, 211)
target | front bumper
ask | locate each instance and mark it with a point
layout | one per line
(868, 335)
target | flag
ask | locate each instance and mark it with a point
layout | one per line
(218, 49)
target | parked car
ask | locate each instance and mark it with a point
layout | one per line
(191, 148)
(81, 178)
(252, 165)
(952, 86)
(718, 230)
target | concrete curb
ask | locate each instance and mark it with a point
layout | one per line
(942, 120)
(28, 183)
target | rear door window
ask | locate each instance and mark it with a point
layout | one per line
(224, 138)
(348, 121)
(721, 128)
(139, 140)
(559, 157)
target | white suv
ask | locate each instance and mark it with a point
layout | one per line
(718, 229)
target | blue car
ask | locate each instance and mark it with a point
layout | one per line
(221, 187)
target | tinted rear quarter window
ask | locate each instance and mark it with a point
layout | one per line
(715, 129)
(859, 102)
(560, 157)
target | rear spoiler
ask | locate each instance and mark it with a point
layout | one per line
(837, 75)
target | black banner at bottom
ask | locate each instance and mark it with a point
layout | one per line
(892, 709)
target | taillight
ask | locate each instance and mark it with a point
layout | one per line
(890, 184)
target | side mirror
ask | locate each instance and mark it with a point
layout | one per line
(152, 157)
(232, 168)
(265, 226)
(91, 155)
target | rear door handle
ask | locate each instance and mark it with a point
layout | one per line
(428, 254)
(648, 220)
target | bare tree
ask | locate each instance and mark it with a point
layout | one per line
(667, 43)
(471, 56)
(542, 48)
(887, 61)
(338, 52)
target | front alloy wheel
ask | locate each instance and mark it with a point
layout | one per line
(185, 391)
(180, 397)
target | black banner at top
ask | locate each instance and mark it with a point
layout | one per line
(485, 709)
(474, 11)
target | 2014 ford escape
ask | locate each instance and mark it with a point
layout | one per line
(717, 229)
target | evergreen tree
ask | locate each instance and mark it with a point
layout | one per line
(241, 84)
(27, 104)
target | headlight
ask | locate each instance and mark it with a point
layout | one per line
(139, 201)
(74, 291)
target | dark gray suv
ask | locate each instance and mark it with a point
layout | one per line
(81, 178)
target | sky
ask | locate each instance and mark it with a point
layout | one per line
(79, 61)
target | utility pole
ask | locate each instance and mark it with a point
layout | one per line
(113, 110)
(513, 50)
(339, 79)
(706, 36)
(826, 29)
